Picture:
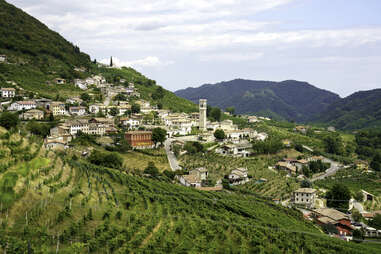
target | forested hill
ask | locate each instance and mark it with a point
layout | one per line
(357, 111)
(290, 100)
(26, 40)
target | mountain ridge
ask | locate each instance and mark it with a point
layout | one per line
(254, 96)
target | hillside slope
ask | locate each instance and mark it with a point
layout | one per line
(291, 100)
(51, 200)
(359, 110)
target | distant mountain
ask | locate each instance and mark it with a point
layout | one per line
(357, 111)
(290, 100)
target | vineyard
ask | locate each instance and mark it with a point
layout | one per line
(57, 202)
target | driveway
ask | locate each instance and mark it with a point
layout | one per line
(171, 156)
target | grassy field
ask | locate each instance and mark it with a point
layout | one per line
(138, 160)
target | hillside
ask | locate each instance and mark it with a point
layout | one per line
(290, 100)
(359, 110)
(53, 199)
(37, 55)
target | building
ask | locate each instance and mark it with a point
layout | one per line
(81, 84)
(195, 178)
(341, 221)
(96, 108)
(33, 114)
(3, 58)
(139, 139)
(79, 111)
(291, 169)
(22, 105)
(60, 81)
(58, 108)
(305, 196)
(202, 114)
(55, 144)
(252, 119)
(130, 122)
(238, 150)
(96, 129)
(238, 176)
(8, 92)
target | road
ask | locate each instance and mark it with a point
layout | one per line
(171, 156)
(354, 204)
(335, 166)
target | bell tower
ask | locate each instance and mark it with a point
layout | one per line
(202, 117)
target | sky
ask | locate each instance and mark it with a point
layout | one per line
(332, 44)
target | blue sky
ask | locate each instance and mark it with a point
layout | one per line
(332, 44)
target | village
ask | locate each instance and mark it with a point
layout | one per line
(123, 111)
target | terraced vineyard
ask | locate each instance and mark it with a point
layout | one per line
(52, 201)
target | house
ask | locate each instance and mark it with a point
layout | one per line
(58, 108)
(77, 125)
(145, 106)
(96, 129)
(305, 197)
(190, 181)
(60, 81)
(341, 221)
(362, 165)
(252, 119)
(74, 100)
(79, 111)
(291, 169)
(195, 178)
(238, 150)
(96, 108)
(81, 84)
(367, 196)
(130, 122)
(301, 129)
(331, 128)
(238, 176)
(8, 92)
(33, 114)
(22, 105)
(139, 139)
(43, 103)
(3, 58)
(80, 69)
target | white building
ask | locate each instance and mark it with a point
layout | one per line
(130, 121)
(79, 111)
(202, 116)
(22, 105)
(3, 58)
(80, 83)
(305, 196)
(8, 92)
(238, 176)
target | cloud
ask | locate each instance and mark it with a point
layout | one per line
(149, 61)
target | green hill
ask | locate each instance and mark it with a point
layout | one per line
(55, 199)
(290, 100)
(357, 111)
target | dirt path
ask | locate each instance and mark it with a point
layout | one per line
(156, 228)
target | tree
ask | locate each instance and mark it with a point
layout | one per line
(219, 134)
(111, 63)
(135, 108)
(359, 196)
(215, 114)
(338, 197)
(193, 147)
(120, 97)
(306, 184)
(8, 120)
(356, 215)
(376, 162)
(110, 160)
(334, 145)
(358, 235)
(158, 94)
(85, 97)
(39, 129)
(159, 135)
(376, 222)
(231, 110)
(114, 111)
(151, 169)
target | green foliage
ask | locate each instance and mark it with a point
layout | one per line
(151, 169)
(215, 114)
(269, 146)
(306, 184)
(158, 94)
(85, 97)
(193, 147)
(376, 221)
(114, 111)
(334, 144)
(120, 97)
(40, 129)
(338, 197)
(9, 120)
(318, 166)
(159, 135)
(358, 235)
(135, 108)
(219, 134)
(231, 110)
(106, 159)
(356, 215)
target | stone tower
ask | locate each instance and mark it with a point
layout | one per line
(202, 117)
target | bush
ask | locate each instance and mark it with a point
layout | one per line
(106, 159)
(219, 134)
(9, 120)
(151, 169)
(193, 147)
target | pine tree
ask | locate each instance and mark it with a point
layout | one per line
(111, 64)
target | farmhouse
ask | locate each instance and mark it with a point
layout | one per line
(305, 196)
(32, 114)
(79, 111)
(130, 122)
(331, 216)
(3, 58)
(281, 165)
(8, 92)
(60, 81)
(58, 108)
(195, 178)
(238, 176)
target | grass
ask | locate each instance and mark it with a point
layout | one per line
(138, 160)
